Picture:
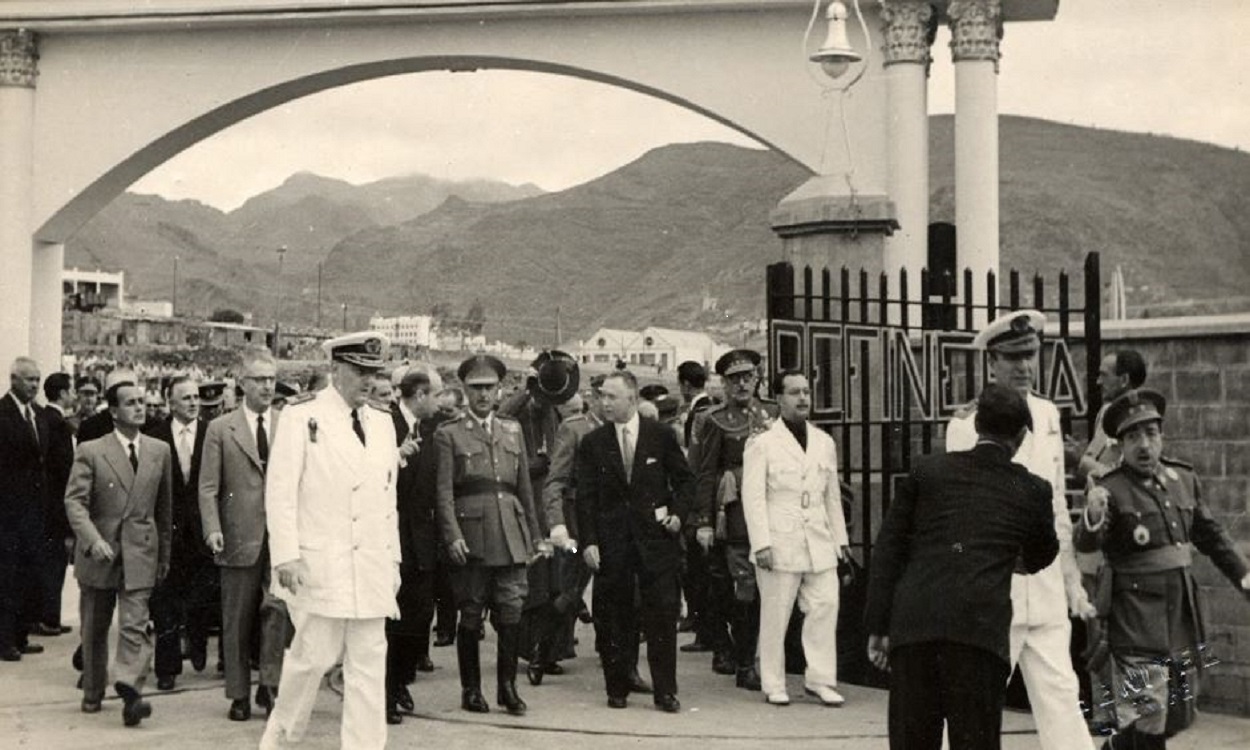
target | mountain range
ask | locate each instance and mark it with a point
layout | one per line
(647, 243)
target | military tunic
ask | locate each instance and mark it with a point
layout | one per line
(1154, 622)
(485, 498)
(722, 439)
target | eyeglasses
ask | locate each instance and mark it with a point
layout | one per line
(261, 379)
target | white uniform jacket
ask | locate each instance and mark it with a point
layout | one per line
(330, 501)
(792, 499)
(1047, 595)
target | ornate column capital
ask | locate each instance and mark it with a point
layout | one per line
(19, 55)
(909, 29)
(976, 28)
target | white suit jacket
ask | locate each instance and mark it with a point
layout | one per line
(1047, 595)
(792, 499)
(330, 501)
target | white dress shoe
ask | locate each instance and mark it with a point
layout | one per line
(826, 694)
(778, 699)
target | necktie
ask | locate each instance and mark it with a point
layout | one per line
(627, 452)
(134, 459)
(30, 420)
(184, 452)
(262, 440)
(357, 427)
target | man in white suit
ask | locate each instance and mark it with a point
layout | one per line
(1040, 630)
(793, 508)
(334, 544)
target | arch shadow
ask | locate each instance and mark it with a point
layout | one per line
(80, 209)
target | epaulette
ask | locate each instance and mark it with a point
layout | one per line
(1176, 462)
(965, 411)
(300, 398)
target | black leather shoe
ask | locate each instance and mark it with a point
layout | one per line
(76, 659)
(748, 679)
(617, 701)
(240, 710)
(667, 703)
(508, 698)
(31, 648)
(424, 664)
(265, 698)
(553, 668)
(444, 639)
(135, 709)
(694, 647)
(687, 625)
(534, 671)
(471, 700)
(199, 659)
(46, 630)
(403, 699)
(90, 707)
(66, 629)
(639, 685)
(583, 616)
(392, 714)
(10, 654)
(165, 682)
(724, 664)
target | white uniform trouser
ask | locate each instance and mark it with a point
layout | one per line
(318, 643)
(817, 594)
(1046, 664)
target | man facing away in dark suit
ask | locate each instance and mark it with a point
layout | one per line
(939, 599)
(232, 509)
(23, 447)
(118, 503)
(184, 598)
(633, 489)
(58, 391)
(416, 416)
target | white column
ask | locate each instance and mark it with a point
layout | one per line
(908, 30)
(976, 27)
(17, 127)
(45, 307)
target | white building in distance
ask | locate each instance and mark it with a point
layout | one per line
(98, 288)
(661, 348)
(407, 330)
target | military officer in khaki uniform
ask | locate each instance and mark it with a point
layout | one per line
(721, 440)
(487, 519)
(1147, 516)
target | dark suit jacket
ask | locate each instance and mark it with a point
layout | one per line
(416, 494)
(619, 515)
(95, 426)
(59, 461)
(188, 532)
(942, 564)
(22, 480)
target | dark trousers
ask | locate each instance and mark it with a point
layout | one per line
(618, 616)
(183, 600)
(244, 619)
(52, 567)
(408, 638)
(938, 683)
(134, 639)
(718, 601)
(21, 542)
(694, 582)
(444, 599)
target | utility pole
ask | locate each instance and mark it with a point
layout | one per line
(344, 316)
(277, 313)
(559, 336)
(174, 302)
(318, 294)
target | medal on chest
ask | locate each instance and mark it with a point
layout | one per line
(1141, 535)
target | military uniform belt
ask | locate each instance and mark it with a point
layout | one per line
(1156, 560)
(484, 487)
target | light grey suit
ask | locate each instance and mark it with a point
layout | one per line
(232, 502)
(106, 499)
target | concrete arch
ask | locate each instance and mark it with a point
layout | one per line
(62, 224)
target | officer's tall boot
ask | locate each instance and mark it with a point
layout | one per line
(746, 639)
(470, 672)
(508, 638)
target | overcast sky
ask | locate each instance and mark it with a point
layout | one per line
(1176, 68)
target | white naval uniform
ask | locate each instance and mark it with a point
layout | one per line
(1040, 630)
(792, 502)
(330, 501)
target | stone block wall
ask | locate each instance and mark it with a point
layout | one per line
(1202, 366)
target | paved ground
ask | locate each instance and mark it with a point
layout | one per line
(39, 710)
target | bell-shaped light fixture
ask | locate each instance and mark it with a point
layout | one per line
(836, 54)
